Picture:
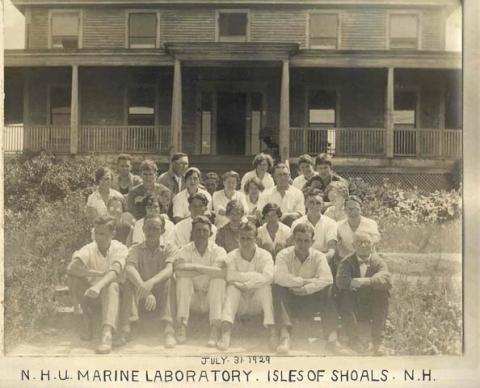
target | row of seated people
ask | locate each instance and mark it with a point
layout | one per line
(155, 276)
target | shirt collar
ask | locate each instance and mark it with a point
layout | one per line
(161, 244)
(364, 261)
(308, 257)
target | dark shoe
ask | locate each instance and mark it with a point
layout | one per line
(86, 333)
(335, 348)
(105, 344)
(170, 341)
(284, 346)
(181, 333)
(212, 340)
(273, 338)
(224, 342)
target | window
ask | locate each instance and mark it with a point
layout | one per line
(60, 97)
(404, 31)
(322, 106)
(142, 30)
(233, 26)
(405, 109)
(141, 106)
(323, 30)
(65, 30)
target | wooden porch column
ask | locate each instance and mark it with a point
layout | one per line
(389, 108)
(441, 118)
(285, 113)
(176, 123)
(74, 112)
(26, 108)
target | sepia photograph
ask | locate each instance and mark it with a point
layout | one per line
(233, 178)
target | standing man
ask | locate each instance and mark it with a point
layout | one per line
(302, 288)
(136, 203)
(289, 198)
(149, 270)
(305, 165)
(200, 269)
(174, 178)
(93, 280)
(364, 283)
(124, 180)
(249, 276)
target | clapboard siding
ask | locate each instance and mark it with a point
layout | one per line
(192, 25)
(104, 28)
(278, 26)
(38, 29)
(433, 27)
(363, 29)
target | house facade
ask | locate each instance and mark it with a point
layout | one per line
(369, 81)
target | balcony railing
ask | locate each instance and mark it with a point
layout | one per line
(47, 137)
(371, 142)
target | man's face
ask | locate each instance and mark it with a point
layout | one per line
(235, 216)
(324, 170)
(153, 208)
(306, 169)
(148, 177)
(200, 233)
(363, 245)
(105, 181)
(153, 229)
(115, 209)
(353, 209)
(103, 236)
(211, 185)
(179, 166)
(192, 182)
(314, 204)
(247, 239)
(282, 176)
(197, 208)
(272, 217)
(124, 167)
(303, 242)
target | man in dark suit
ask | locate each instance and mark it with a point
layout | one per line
(364, 283)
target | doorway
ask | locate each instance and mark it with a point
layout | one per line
(231, 123)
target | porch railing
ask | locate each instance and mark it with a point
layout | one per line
(13, 139)
(407, 142)
(45, 137)
(131, 139)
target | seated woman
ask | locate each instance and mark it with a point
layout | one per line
(273, 236)
(221, 198)
(97, 201)
(262, 163)
(337, 193)
(253, 188)
(227, 236)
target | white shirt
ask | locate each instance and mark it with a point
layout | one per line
(258, 271)
(96, 202)
(292, 201)
(220, 201)
(300, 181)
(182, 233)
(252, 207)
(138, 236)
(345, 234)
(281, 237)
(324, 231)
(267, 179)
(331, 212)
(180, 203)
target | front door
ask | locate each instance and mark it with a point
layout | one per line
(231, 123)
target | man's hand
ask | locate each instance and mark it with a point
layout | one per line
(241, 286)
(357, 283)
(93, 292)
(300, 291)
(178, 262)
(145, 289)
(150, 302)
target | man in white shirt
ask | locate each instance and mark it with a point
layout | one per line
(249, 276)
(200, 268)
(289, 198)
(94, 274)
(302, 288)
(197, 204)
(325, 236)
(305, 165)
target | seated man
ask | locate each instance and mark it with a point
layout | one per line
(148, 272)
(364, 283)
(249, 276)
(182, 232)
(200, 279)
(302, 288)
(93, 279)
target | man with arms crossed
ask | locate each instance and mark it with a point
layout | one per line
(302, 288)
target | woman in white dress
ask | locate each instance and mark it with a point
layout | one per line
(262, 163)
(273, 235)
(337, 194)
(221, 198)
(253, 188)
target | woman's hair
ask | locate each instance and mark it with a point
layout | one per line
(101, 172)
(200, 196)
(234, 204)
(256, 181)
(339, 187)
(260, 158)
(269, 207)
(231, 174)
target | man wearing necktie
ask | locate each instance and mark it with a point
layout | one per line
(364, 283)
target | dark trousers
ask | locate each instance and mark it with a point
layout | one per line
(287, 305)
(365, 304)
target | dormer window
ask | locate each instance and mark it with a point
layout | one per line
(142, 29)
(404, 31)
(232, 26)
(65, 30)
(323, 30)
